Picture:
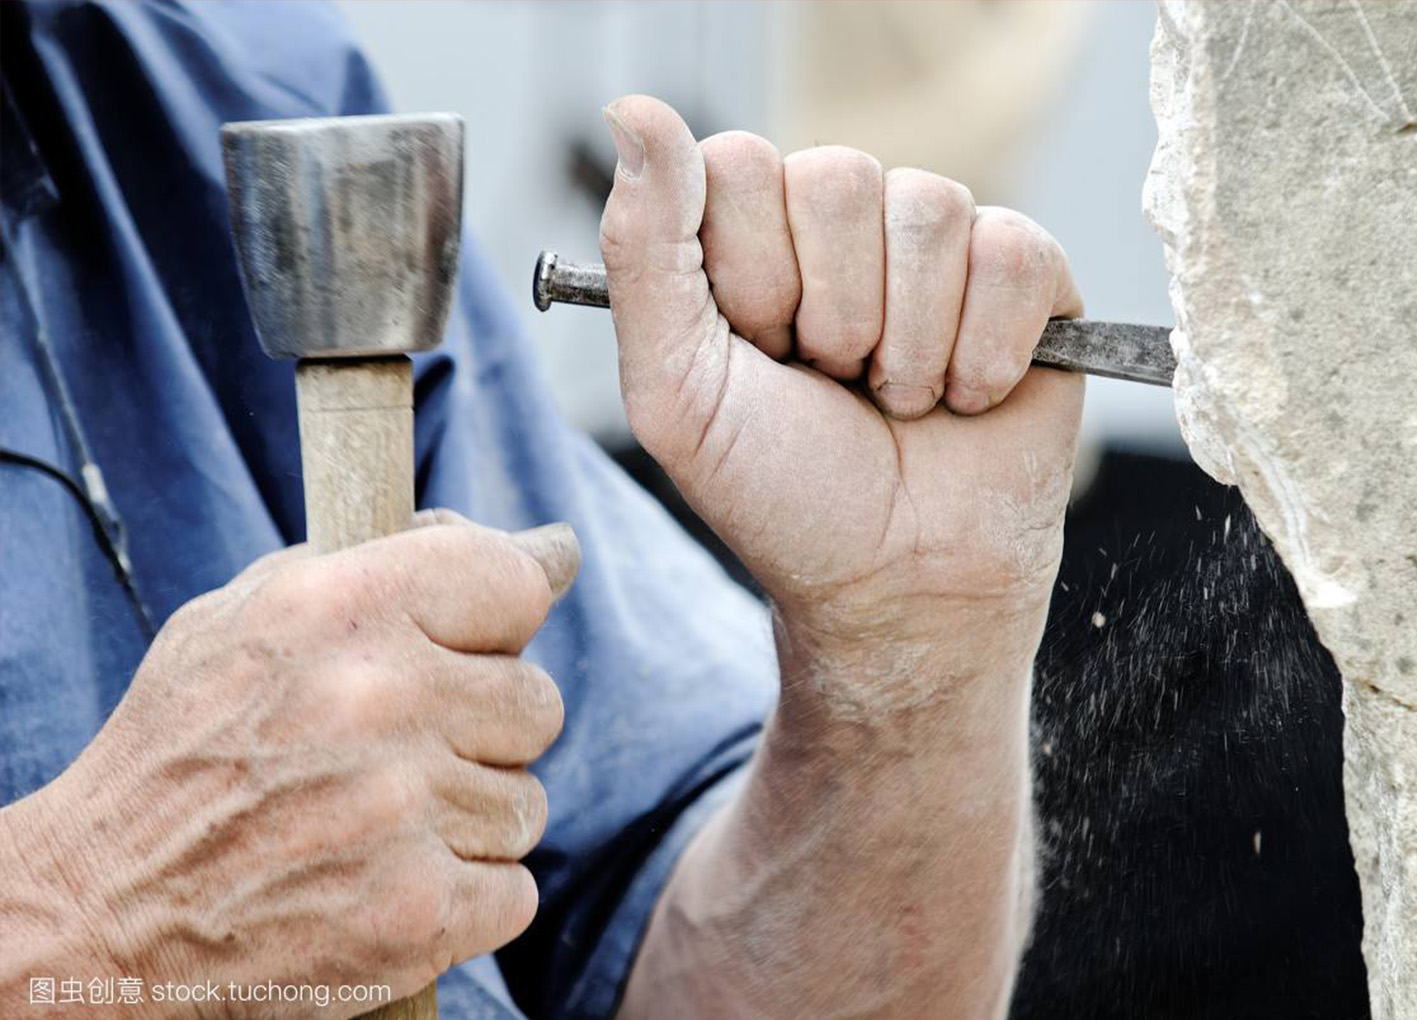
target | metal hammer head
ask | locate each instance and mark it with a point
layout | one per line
(347, 230)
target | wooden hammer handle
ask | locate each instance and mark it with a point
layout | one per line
(356, 443)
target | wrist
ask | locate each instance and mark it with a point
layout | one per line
(906, 653)
(44, 915)
(60, 918)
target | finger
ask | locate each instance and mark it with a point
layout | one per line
(497, 710)
(834, 197)
(491, 814)
(554, 546)
(673, 343)
(492, 903)
(748, 253)
(927, 224)
(468, 588)
(1018, 279)
(272, 562)
(557, 549)
(1043, 410)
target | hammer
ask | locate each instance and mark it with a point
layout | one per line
(347, 232)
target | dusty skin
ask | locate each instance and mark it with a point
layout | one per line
(879, 860)
(315, 772)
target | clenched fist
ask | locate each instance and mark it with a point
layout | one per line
(832, 363)
(317, 775)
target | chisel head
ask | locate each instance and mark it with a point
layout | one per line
(346, 230)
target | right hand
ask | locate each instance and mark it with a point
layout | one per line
(318, 773)
(753, 297)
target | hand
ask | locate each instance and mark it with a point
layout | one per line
(833, 365)
(753, 296)
(318, 773)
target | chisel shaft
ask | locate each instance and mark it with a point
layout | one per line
(1118, 350)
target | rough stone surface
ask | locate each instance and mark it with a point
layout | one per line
(1285, 190)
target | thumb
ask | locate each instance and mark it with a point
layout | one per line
(673, 344)
(553, 546)
(556, 548)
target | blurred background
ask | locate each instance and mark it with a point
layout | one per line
(1037, 105)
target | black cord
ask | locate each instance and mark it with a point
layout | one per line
(91, 493)
(125, 579)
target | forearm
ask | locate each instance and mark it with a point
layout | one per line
(64, 866)
(879, 861)
(43, 932)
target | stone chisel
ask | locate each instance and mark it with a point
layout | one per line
(1118, 350)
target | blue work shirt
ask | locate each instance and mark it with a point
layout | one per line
(127, 346)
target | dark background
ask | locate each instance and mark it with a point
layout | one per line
(1188, 754)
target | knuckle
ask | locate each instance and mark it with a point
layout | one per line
(832, 177)
(411, 916)
(954, 197)
(836, 160)
(1008, 246)
(192, 615)
(385, 801)
(270, 561)
(358, 698)
(287, 593)
(922, 202)
(321, 592)
(354, 585)
(740, 160)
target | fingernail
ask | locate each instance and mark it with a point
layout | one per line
(905, 401)
(627, 144)
(557, 549)
(964, 400)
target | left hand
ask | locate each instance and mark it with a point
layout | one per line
(753, 294)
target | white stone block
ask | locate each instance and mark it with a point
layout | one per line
(1285, 190)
